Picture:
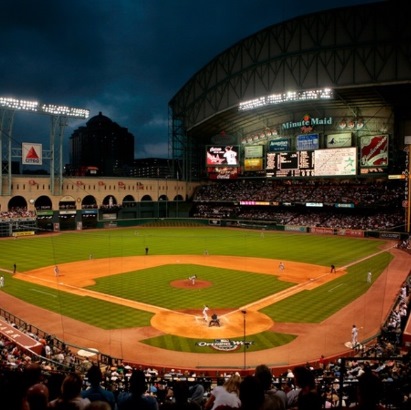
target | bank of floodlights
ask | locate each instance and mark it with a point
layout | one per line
(291, 96)
(35, 106)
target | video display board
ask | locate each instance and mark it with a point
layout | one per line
(253, 158)
(222, 155)
(335, 162)
(253, 151)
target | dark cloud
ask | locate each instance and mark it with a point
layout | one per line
(125, 58)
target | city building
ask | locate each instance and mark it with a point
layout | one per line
(101, 147)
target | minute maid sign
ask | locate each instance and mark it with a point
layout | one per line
(31, 154)
(307, 123)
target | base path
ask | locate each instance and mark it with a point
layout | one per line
(328, 338)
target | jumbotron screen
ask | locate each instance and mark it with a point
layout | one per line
(222, 155)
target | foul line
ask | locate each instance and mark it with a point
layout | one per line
(335, 287)
(44, 293)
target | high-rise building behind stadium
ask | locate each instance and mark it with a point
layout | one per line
(102, 146)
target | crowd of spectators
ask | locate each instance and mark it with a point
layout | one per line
(343, 204)
(394, 327)
(359, 193)
(14, 214)
(405, 244)
(329, 384)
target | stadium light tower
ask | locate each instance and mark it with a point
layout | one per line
(58, 114)
(41, 108)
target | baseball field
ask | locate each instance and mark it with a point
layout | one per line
(127, 293)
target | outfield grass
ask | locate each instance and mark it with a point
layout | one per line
(31, 253)
(231, 288)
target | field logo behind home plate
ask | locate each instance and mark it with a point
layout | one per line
(225, 345)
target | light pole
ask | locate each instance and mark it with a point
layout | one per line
(244, 312)
(166, 198)
(177, 194)
(407, 141)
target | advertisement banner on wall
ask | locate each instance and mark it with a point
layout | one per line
(339, 140)
(374, 151)
(222, 173)
(308, 142)
(279, 144)
(31, 154)
(253, 164)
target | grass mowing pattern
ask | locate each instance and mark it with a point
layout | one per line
(35, 252)
(31, 253)
(95, 312)
(230, 288)
(314, 306)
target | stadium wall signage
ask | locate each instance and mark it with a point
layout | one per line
(32, 154)
(22, 339)
(295, 228)
(225, 345)
(355, 233)
(307, 123)
(390, 235)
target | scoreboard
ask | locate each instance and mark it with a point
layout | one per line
(321, 162)
(290, 164)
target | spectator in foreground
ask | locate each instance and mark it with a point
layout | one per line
(95, 391)
(225, 395)
(98, 405)
(308, 397)
(70, 394)
(369, 389)
(37, 397)
(274, 399)
(180, 399)
(251, 394)
(137, 397)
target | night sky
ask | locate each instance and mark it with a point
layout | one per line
(125, 58)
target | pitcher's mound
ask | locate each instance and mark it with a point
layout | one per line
(186, 284)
